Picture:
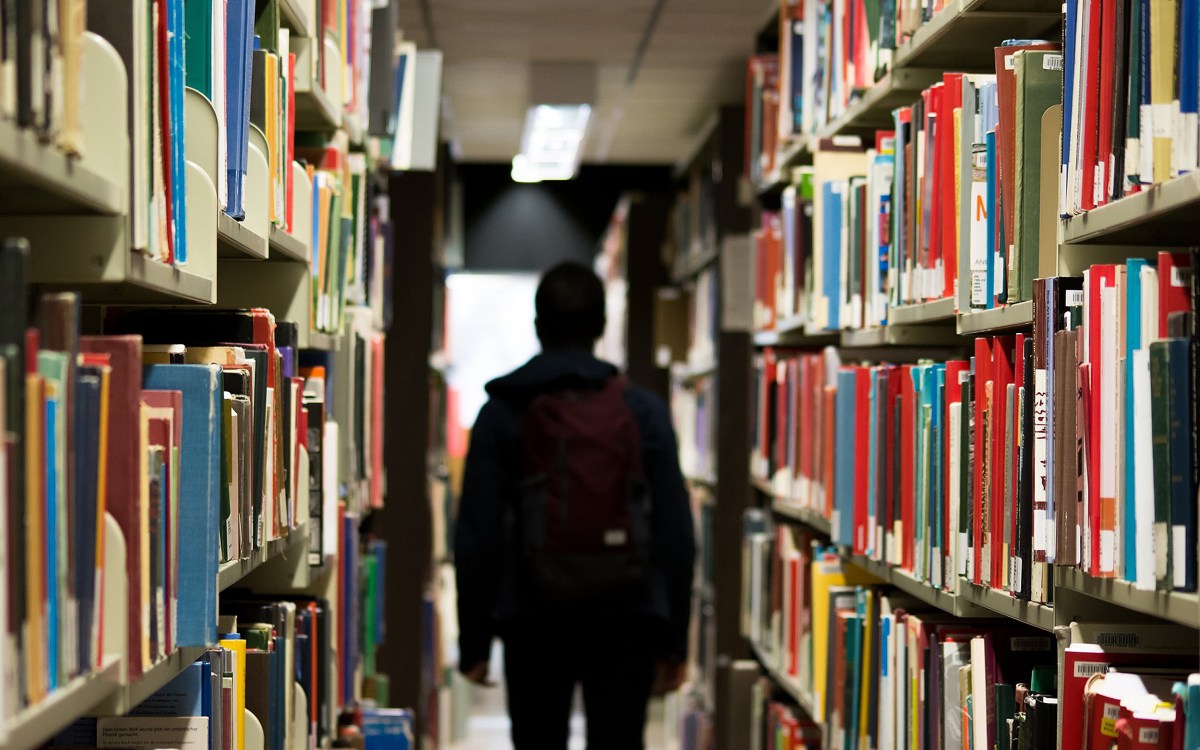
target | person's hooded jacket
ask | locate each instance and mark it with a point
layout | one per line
(489, 582)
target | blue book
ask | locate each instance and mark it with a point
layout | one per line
(1069, 53)
(846, 457)
(1133, 342)
(993, 260)
(53, 595)
(186, 695)
(1192, 726)
(937, 496)
(1188, 74)
(900, 205)
(832, 220)
(178, 165)
(239, 30)
(199, 496)
(387, 728)
(1182, 453)
(87, 467)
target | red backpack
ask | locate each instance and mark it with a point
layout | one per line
(584, 513)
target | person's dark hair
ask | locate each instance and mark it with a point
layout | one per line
(570, 307)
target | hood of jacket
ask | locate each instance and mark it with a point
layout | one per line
(566, 368)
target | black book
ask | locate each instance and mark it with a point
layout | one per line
(1023, 544)
(14, 317)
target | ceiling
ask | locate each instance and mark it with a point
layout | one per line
(695, 60)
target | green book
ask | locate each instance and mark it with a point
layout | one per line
(198, 46)
(266, 26)
(1160, 425)
(1039, 87)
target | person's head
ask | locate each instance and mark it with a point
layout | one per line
(570, 307)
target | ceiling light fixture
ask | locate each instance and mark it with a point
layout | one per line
(551, 143)
(561, 95)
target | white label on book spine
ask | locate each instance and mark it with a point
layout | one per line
(1108, 550)
(1160, 550)
(1052, 62)
(1148, 736)
(1162, 122)
(1179, 554)
(1074, 297)
(1181, 276)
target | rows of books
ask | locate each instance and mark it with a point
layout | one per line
(927, 213)
(934, 518)
(1071, 446)
(856, 664)
(166, 464)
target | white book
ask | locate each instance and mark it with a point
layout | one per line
(1143, 468)
(980, 689)
(887, 681)
(955, 655)
(220, 14)
(956, 566)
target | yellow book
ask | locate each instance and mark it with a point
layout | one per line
(101, 509)
(827, 572)
(34, 639)
(1163, 14)
(868, 669)
(144, 524)
(238, 647)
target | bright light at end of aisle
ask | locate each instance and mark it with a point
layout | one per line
(551, 143)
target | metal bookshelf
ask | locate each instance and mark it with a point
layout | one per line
(236, 240)
(934, 311)
(1163, 214)
(1175, 606)
(232, 572)
(37, 178)
(1040, 616)
(1004, 318)
(36, 724)
(784, 682)
(810, 518)
(286, 247)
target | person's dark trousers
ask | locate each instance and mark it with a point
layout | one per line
(612, 657)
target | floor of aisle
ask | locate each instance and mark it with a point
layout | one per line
(488, 727)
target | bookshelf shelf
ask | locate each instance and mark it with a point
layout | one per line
(791, 332)
(128, 697)
(693, 263)
(36, 178)
(873, 110)
(935, 311)
(808, 517)
(962, 35)
(1163, 214)
(236, 240)
(37, 724)
(997, 319)
(787, 684)
(1176, 606)
(231, 573)
(315, 111)
(789, 157)
(323, 341)
(295, 18)
(1040, 616)
(959, 606)
(286, 247)
(899, 336)
(148, 281)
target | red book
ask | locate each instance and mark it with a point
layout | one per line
(1002, 376)
(164, 108)
(862, 432)
(830, 437)
(1174, 287)
(944, 204)
(983, 377)
(123, 473)
(890, 499)
(805, 426)
(782, 409)
(907, 464)
(1104, 127)
(793, 634)
(1090, 106)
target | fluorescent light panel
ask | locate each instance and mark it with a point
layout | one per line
(551, 143)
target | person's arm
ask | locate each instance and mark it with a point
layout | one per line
(672, 525)
(479, 538)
